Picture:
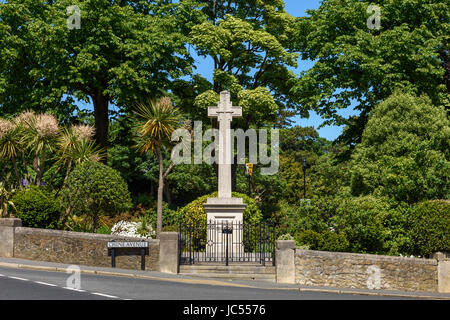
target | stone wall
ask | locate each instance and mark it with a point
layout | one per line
(364, 271)
(79, 248)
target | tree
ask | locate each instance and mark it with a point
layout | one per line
(249, 44)
(158, 119)
(39, 134)
(95, 189)
(404, 153)
(28, 132)
(353, 63)
(75, 146)
(123, 50)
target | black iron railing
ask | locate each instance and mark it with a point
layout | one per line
(226, 241)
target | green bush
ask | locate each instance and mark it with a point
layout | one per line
(195, 213)
(333, 241)
(308, 237)
(307, 215)
(286, 236)
(430, 227)
(104, 229)
(325, 241)
(169, 216)
(373, 225)
(37, 208)
(95, 189)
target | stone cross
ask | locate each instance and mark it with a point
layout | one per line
(224, 112)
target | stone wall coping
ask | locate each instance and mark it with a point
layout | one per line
(363, 256)
(169, 236)
(285, 244)
(10, 222)
(79, 235)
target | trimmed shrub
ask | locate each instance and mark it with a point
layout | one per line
(309, 238)
(37, 208)
(333, 241)
(430, 227)
(373, 225)
(325, 241)
(195, 213)
(95, 189)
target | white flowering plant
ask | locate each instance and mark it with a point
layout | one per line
(138, 229)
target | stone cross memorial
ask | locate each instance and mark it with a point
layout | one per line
(224, 208)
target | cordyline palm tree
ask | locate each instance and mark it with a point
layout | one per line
(157, 121)
(76, 145)
(39, 132)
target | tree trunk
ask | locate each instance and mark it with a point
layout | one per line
(24, 163)
(40, 167)
(16, 171)
(160, 192)
(69, 167)
(168, 194)
(95, 223)
(101, 104)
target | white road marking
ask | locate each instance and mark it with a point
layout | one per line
(2, 275)
(17, 278)
(46, 284)
(74, 289)
(104, 295)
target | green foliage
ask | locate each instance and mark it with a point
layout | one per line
(37, 208)
(372, 225)
(353, 62)
(195, 213)
(404, 153)
(188, 182)
(286, 236)
(95, 189)
(6, 204)
(104, 229)
(325, 241)
(249, 44)
(123, 51)
(329, 176)
(430, 227)
(170, 217)
(311, 223)
(307, 215)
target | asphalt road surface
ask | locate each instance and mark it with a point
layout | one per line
(43, 285)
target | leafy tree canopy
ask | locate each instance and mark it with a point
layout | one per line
(404, 153)
(355, 63)
(249, 44)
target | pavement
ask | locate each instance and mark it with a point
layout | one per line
(24, 264)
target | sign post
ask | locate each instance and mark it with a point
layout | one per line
(113, 245)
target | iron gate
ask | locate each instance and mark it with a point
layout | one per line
(225, 242)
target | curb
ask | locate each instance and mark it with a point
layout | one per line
(218, 282)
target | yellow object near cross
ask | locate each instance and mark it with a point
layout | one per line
(250, 168)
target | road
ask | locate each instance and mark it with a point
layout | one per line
(44, 285)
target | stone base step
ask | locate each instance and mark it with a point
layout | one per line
(238, 272)
(236, 276)
(231, 269)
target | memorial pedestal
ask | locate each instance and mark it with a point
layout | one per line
(223, 214)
